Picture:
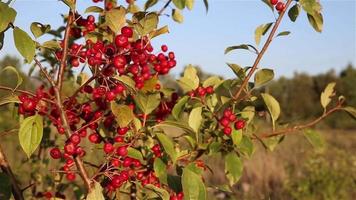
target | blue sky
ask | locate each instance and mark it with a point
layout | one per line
(202, 38)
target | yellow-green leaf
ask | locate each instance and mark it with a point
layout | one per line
(273, 107)
(39, 29)
(30, 134)
(96, 193)
(123, 113)
(177, 16)
(7, 16)
(24, 44)
(115, 18)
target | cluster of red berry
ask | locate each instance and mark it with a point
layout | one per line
(228, 118)
(201, 91)
(280, 5)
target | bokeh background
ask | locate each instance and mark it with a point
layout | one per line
(304, 63)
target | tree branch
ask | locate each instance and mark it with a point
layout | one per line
(299, 127)
(262, 52)
(164, 7)
(25, 92)
(78, 161)
(5, 167)
(48, 77)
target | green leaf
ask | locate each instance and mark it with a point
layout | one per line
(150, 3)
(236, 136)
(313, 9)
(51, 45)
(315, 139)
(233, 168)
(127, 81)
(147, 102)
(293, 13)
(168, 146)
(160, 169)
(94, 9)
(351, 111)
(189, 4)
(39, 29)
(195, 119)
(8, 15)
(242, 46)
(96, 193)
(176, 124)
(9, 99)
(69, 3)
(159, 32)
(177, 16)
(263, 76)
(177, 109)
(136, 154)
(206, 4)
(5, 187)
(316, 21)
(13, 69)
(268, 3)
(193, 186)
(149, 23)
(123, 113)
(261, 30)
(212, 81)
(2, 37)
(325, 97)
(272, 142)
(24, 44)
(248, 113)
(163, 194)
(284, 33)
(273, 107)
(30, 134)
(180, 4)
(115, 18)
(239, 71)
(190, 79)
(246, 146)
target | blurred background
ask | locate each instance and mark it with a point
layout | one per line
(304, 62)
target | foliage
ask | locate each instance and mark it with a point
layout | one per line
(127, 115)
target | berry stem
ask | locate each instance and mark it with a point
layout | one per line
(262, 52)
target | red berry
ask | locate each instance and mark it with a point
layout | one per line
(29, 105)
(94, 138)
(232, 118)
(121, 41)
(121, 151)
(70, 176)
(210, 90)
(108, 148)
(274, 2)
(75, 138)
(127, 31)
(224, 122)
(227, 113)
(110, 96)
(55, 153)
(280, 6)
(240, 124)
(164, 48)
(227, 130)
(122, 131)
(69, 148)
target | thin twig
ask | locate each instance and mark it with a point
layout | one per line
(262, 52)
(25, 92)
(300, 127)
(164, 7)
(48, 77)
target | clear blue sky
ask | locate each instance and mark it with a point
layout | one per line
(202, 38)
